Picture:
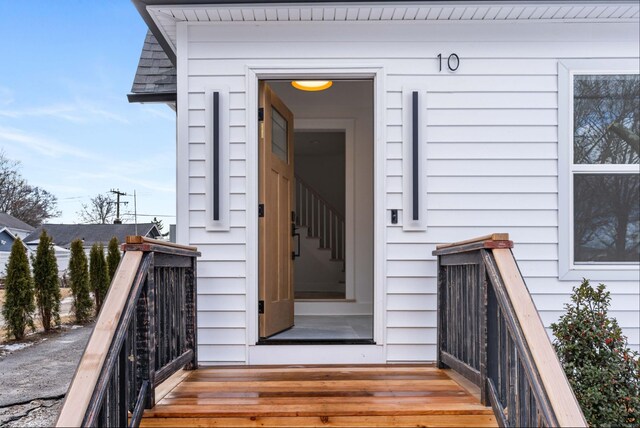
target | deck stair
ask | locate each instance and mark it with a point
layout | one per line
(335, 396)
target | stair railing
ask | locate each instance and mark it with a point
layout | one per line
(321, 219)
(489, 331)
(145, 332)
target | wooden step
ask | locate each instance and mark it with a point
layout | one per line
(348, 396)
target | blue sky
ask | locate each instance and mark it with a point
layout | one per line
(65, 69)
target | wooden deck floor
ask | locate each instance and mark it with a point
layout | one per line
(328, 396)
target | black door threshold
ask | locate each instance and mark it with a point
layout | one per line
(316, 342)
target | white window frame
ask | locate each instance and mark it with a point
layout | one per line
(568, 269)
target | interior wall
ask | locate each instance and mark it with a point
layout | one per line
(345, 100)
(321, 168)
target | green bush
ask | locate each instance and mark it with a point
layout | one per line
(18, 305)
(46, 282)
(79, 278)
(113, 257)
(98, 274)
(602, 370)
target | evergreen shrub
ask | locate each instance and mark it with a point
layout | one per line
(602, 370)
(79, 279)
(113, 257)
(46, 282)
(98, 274)
(18, 304)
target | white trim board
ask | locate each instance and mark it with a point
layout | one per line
(279, 71)
(182, 135)
(223, 173)
(316, 354)
(408, 223)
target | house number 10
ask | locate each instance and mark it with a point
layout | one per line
(453, 62)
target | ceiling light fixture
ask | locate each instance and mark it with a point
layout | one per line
(312, 85)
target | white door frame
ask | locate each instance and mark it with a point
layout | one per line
(272, 354)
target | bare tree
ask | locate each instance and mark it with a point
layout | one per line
(31, 204)
(101, 209)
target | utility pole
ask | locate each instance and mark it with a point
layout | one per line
(118, 193)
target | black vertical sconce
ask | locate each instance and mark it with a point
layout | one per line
(415, 189)
(216, 156)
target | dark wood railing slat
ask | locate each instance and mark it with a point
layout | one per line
(111, 363)
(482, 302)
(138, 409)
(153, 336)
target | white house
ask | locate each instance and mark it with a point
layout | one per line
(442, 120)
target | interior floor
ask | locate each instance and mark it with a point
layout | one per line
(329, 327)
(319, 295)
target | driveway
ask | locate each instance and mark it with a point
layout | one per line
(35, 377)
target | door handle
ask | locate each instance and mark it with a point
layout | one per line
(295, 234)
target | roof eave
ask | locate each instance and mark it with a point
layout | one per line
(141, 6)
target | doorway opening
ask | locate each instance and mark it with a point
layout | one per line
(320, 268)
(316, 163)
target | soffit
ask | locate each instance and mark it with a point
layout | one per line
(166, 16)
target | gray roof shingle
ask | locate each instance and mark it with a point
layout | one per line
(10, 222)
(156, 74)
(63, 234)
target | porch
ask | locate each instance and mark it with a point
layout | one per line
(302, 396)
(496, 365)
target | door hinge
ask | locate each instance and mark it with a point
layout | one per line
(261, 210)
(260, 114)
(260, 306)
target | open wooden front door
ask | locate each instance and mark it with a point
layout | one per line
(277, 193)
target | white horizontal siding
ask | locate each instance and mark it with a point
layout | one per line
(492, 184)
(491, 148)
(221, 319)
(303, 50)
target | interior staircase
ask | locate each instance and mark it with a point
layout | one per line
(320, 269)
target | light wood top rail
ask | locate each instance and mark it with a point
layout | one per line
(136, 239)
(492, 237)
(86, 377)
(556, 385)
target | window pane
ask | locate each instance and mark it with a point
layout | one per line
(606, 211)
(606, 119)
(279, 135)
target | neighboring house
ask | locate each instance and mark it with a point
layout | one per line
(444, 121)
(7, 238)
(63, 234)
(10, 229)
(17, 227)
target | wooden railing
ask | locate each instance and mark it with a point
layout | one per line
(321, 219)
(490, 332)
(145, 332)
